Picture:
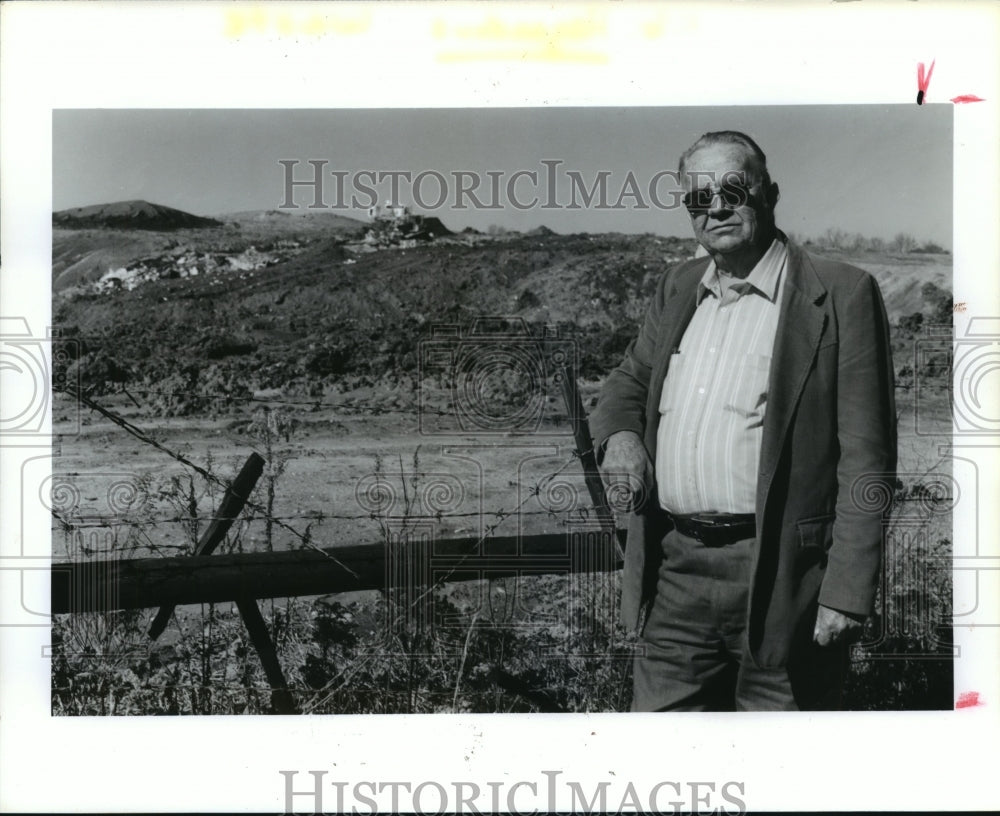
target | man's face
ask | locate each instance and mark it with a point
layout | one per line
(728, 226)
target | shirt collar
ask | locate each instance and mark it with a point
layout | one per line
(764, 278)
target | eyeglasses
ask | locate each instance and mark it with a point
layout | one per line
(733, 194)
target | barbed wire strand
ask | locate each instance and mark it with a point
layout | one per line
(142, 436)
(501, 517)
(96, 522)
(313, 403)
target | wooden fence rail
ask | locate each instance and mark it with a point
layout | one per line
(102, 586)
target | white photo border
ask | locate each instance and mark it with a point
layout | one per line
(312, 55)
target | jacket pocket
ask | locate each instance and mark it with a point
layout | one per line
(816, 531)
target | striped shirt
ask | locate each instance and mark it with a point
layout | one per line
(715, 393)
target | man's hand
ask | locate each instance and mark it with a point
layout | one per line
(834, 627)
(627, 471)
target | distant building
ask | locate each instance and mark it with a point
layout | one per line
(393, 225)
(388, 212)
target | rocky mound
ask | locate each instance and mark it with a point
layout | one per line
(130, 215)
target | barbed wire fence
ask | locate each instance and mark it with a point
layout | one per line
(255, 511)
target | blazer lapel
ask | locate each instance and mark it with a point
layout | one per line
(800, 327)
(677, 312)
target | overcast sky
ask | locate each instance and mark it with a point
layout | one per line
(877, 170)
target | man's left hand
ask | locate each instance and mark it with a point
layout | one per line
(834, 627)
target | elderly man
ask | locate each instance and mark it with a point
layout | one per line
(749, 419)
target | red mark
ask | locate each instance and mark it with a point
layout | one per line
(969, 699)
(923, 81)
(961, 100)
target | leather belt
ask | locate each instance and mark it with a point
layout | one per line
(716, 529)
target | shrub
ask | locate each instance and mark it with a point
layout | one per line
(931, 248)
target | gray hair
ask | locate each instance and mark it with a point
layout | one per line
(729, 137)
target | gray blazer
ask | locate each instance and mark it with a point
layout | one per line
(828, 455)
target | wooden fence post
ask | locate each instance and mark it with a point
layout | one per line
(585, 450)
(232, 503)
(281, 698)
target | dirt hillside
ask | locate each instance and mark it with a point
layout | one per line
(301, 304)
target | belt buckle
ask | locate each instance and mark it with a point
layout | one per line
(713, 531)
(711, 520)
(709, 528)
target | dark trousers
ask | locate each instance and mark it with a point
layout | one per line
(693, 653)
